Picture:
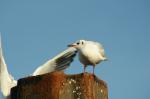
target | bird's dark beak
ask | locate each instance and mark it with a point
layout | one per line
(71, 45)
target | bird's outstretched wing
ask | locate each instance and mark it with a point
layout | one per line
(6, 80)
(59, 62)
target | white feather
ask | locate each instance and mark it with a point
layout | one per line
(52, 65)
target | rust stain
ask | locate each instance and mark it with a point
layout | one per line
(57, 85)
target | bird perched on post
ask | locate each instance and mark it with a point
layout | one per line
(90, 52)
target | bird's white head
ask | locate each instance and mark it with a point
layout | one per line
(78, 44)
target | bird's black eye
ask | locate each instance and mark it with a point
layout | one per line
(78, 43)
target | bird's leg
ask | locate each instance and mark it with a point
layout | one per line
(93, 69)
(84, 68)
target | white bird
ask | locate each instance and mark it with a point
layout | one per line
(90, 52)
(59, 62)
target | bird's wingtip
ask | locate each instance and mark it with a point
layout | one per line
(105, 59)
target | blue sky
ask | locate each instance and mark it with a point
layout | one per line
(35, 31)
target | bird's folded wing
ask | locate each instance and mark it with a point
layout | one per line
(101, 48)
(59, 62)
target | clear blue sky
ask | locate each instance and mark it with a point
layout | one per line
(34, 31)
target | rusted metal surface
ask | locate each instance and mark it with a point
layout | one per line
(58, 85)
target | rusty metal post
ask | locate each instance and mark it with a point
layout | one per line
(57, 85)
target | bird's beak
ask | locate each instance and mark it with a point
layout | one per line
(71, 45)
